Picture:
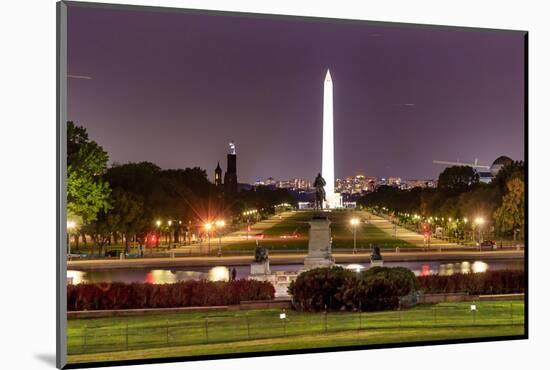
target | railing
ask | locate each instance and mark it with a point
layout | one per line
(180, 330)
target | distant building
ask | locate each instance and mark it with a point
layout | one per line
(295, 184)
(485, 177)
(218, 176)
(411, 184)
(394, 181)
(270, 181)
(499, 163)
(230, 178)
(357, 184)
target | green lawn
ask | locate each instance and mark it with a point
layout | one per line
(188, 334)
(367, 234)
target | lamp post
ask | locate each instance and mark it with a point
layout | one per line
(158, 223)
(207, 227)
(70, 226)
(354, 222)
(220, 224)
(478, 222)
(169, 234)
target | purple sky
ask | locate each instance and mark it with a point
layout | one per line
(174, 89)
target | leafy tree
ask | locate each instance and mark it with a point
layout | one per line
(458, 178)
(87, 192)
(480, 201)
(511, 214)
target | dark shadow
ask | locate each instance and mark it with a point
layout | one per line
(47, 358)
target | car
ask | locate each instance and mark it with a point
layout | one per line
(488, 244)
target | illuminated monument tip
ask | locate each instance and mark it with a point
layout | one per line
(232, 149)
(334, 200)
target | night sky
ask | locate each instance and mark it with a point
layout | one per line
(174, 89)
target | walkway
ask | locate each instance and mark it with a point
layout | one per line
(405, 234)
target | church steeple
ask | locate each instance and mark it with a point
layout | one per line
(218, 175)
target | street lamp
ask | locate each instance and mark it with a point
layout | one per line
(207, 227)
(478, 222)
(220, 224)
(71, 225)
(354, 222)
(158, 223)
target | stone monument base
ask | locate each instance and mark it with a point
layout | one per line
(314, 262)
(319, 247)
(260, 268)
(374, 263)
(333, 201)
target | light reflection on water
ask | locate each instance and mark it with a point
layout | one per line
(222, 273)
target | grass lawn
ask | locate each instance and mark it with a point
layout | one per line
(367, 234)
(188, 334)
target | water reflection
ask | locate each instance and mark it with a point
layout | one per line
(218, 273)
(222, 273)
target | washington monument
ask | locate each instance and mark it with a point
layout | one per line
(333, 200)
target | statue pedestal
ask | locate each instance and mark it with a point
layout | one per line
(260, 268)
(374, 263)
(319, 248)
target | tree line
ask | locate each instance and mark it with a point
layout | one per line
(461, 196)
(140, 201)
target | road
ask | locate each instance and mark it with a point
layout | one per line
(404, 234)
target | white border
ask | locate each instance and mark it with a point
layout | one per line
(28, 180)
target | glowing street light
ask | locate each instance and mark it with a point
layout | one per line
(354, 223)
(478, 222)
(158, 223)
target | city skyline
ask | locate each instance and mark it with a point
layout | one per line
(400, 93)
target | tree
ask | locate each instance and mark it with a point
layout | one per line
(87, 192)
(510, 216)
(458, 178)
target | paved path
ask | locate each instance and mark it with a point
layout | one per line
(405, 234)
(235, 236)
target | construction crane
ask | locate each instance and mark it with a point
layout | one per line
(458, 163)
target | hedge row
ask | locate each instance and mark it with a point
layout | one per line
(490, 282)
(114, 296)
(336, 288)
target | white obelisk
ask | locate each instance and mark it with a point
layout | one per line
(334, 200)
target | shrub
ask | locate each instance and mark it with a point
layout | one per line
(378, 288)
(490, 282)
(114, 296)
(403, 279)
(320, 288)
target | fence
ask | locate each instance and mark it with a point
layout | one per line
(206, 328)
